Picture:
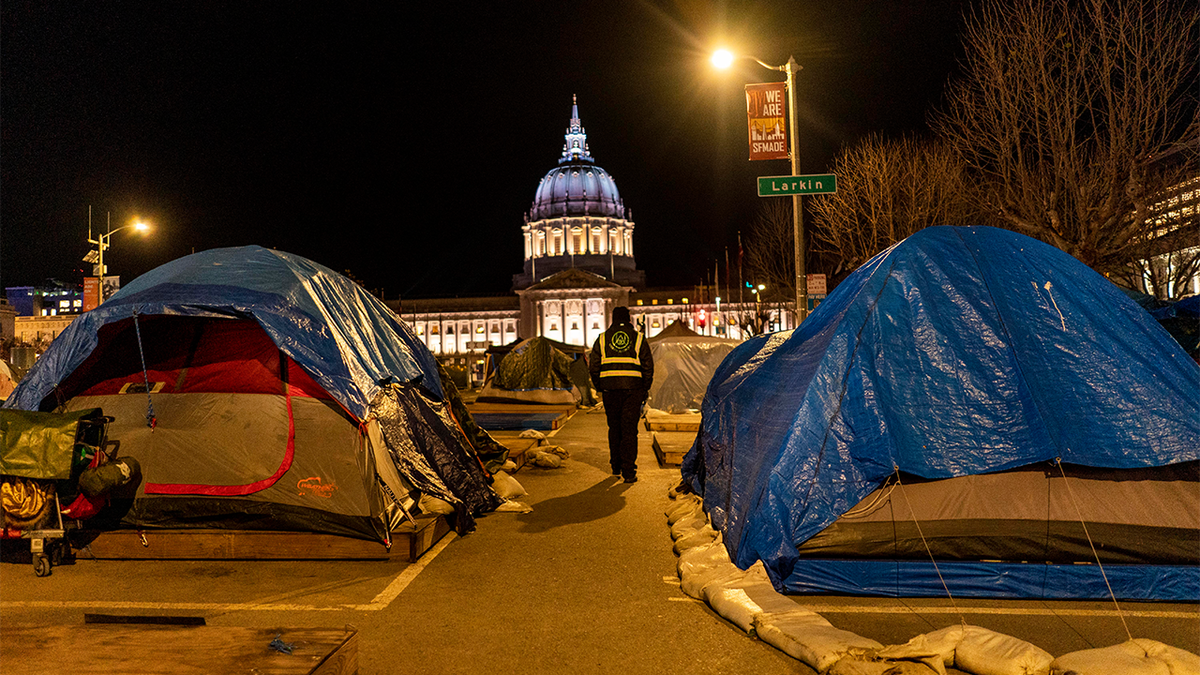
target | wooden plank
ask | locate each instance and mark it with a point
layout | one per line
(517, 447)
(671, 446)
(178, 650)
(659, 421)
(409, 542)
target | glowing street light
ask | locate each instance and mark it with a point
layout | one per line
(723, 59)
(102, 241)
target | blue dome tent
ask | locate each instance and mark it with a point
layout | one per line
(261, 390)
(969, 395)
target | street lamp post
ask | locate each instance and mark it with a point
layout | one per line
(102, 241)
(724, 59)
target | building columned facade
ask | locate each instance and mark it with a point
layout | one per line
(578, 266)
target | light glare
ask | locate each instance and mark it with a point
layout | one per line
(722, 58)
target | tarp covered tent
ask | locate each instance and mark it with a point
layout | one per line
(261, 390)
(1014, 383)
(684, 362)
(1181, 318)
(534, 370)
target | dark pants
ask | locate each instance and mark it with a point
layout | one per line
(623, 408)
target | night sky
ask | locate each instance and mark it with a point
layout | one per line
(404, 141)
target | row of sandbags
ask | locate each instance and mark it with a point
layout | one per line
(747, 599)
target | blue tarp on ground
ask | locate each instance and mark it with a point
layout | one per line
(957, 351)
(345, 338)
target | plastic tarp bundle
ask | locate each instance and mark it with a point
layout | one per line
(684, 364)
(432, 453)
(958, 351)
(328, 324)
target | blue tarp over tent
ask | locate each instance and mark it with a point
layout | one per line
(347, 339)
(958, 351)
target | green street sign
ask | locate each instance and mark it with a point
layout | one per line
(815, 184)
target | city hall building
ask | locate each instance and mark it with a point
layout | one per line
(579, 264)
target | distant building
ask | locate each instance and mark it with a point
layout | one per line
(578, 265)
(31, 330)
(52, 298)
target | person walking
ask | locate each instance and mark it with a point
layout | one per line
(622, 369)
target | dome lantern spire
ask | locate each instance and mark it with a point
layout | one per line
(575, 149)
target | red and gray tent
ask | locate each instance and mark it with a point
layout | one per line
(260, 390)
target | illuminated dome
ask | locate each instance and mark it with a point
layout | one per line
(578, 221)
(576, 187)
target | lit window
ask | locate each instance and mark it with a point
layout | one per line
(479, 329)
(65, 304)
(77, 303)
(685, 301)
(639, 303)
(654, 302)
(670, 301)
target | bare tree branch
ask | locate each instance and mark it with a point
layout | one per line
(1063, 111)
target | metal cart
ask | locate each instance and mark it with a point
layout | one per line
(45, 453)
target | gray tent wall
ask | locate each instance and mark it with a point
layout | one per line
(684, 363)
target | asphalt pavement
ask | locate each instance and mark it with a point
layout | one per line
(585, 582)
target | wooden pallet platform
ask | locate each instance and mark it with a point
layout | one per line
(178, 650)
(660, 421)
(671, 446)
(538, 421)
(409, 543)
(517, 446)
(501, 416)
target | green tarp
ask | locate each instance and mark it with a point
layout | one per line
(39, 445)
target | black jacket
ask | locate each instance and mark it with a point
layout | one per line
(621, 359)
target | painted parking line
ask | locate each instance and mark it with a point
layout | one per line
(381, 601)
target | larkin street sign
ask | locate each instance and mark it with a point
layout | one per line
(815, 184)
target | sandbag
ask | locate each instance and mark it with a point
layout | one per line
(688, 525)
(702, 557)
(435, 505)
(853, 666)
(683, 508)
(739, 600)
(1135, 657)
(693, 584)
(506, 486)
(985, 652)
(703, 565)
(936, 648)
(696, 538)
(807, 636)
(542, 459)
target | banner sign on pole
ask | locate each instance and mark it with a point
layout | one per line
(766, 115)
(91, 293)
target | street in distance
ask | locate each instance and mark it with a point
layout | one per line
(813, 184)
